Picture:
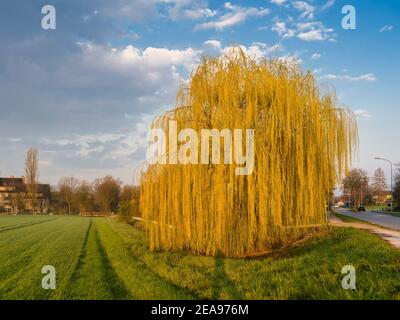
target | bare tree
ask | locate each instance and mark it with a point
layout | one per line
(356, 185)
(379, 186)
(126, 193)
(67, 187)
(129, 201)
(31, 176)
(107, 192)
(17, 202)
(83, 197)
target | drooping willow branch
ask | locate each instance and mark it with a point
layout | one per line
(303, 144)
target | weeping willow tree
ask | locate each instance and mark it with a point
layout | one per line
(303, 143)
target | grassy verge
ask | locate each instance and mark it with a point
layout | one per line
(379, 208)
(375, 208)
(394, 213)
(346, 218)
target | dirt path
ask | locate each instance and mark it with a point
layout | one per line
(390, 236)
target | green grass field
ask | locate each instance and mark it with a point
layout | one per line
(101, 258)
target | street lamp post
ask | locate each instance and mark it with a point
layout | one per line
(391, 180)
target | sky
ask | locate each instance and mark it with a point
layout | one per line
(84, 93)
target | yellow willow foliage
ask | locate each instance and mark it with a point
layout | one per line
(303, 144)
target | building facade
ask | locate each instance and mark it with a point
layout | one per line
(14, 198)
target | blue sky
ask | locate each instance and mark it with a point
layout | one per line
(84, 93)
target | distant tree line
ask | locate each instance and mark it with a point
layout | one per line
(72, 196)
(360, 189)
(107, 194)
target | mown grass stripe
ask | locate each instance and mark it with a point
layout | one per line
(94, 277)
(142, 282)
(17, 226)
(114, 283)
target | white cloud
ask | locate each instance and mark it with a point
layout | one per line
(200, 13)
(279, 27)
(103, 146)
(234, 16)
(328, 5)
(307, 31)
(290, 59)
(278, 2)
(84, 140)
(386, 28)
(314, 31)
(312, 35)
(13, 140)
(88, 17)
(361, 113)
(130, 143)
(282, 30)
(365, 77)
(213, 45)
(140, 81)
(189, 9)
(257, 50)
(313, 25)
(306, 9)
(316, 56)
(150, 60)
(368, 77)
(274, 48)
(163, 57)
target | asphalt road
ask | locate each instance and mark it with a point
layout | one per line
(381, 219)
